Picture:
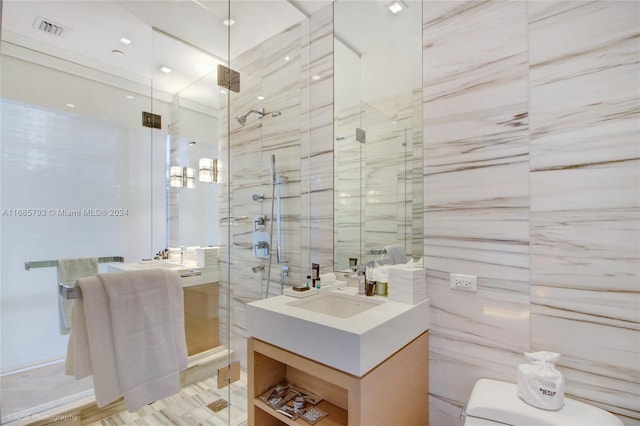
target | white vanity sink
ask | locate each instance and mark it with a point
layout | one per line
(349, 332)
(337, 305)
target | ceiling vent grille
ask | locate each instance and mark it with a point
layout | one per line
(48, 26)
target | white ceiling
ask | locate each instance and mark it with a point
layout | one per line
(191, 39)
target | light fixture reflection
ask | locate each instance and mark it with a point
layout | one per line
(175, 179)
(182, 177)
(208, 170)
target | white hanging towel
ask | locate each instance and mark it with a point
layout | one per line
(69, 270)
(147, 317)
(135, 335)
(91, 349)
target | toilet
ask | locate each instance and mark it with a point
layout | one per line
(494, 403)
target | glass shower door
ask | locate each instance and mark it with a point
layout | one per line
(82, 176)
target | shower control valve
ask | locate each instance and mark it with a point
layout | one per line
(262, 245)
(259, 222)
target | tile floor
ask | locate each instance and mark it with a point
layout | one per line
(189, 407)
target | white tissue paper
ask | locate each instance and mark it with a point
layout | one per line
(539, 382)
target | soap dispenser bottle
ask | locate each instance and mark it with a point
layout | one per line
(315, 273)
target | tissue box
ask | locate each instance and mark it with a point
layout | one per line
(539, 383)
(405, 295)
(407, 285)
(207, 256)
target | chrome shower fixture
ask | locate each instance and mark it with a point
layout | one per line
(258, 197)
(242, 119)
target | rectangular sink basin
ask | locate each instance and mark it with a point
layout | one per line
(352, 333)
(337, 305)
(190, 273)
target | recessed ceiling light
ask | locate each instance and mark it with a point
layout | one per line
(396, 6)
(286, 58)
(261, 98)
(228, 22)
(165, 70)
(129, 97)
(316, 77)
(125, 40)
(71, 105)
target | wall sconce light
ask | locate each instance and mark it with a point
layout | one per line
(208, 170)
(182, 177)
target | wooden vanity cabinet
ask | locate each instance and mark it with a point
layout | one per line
(395, 392)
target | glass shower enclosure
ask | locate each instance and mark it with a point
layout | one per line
(98, 103)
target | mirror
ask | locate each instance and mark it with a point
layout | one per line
(378, 191)
(196, 220)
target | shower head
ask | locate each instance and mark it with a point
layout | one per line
(242, 119)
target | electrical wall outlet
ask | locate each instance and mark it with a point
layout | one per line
(463, 282)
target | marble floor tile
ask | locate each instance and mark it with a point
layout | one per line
(189, 407)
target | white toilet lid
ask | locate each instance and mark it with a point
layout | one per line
(477, 421)
(498, 401)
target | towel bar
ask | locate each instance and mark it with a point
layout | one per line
(70, 292)
(54, 263)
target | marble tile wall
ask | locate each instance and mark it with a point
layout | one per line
(304, 156)
(584, 99)
(317, 72)
(532, 183)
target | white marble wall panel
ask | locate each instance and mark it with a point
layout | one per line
(566, 253)
(278, 69)
(476, 194)
(417, 178)
(305, 148)
(320, 153)
(585, 196)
